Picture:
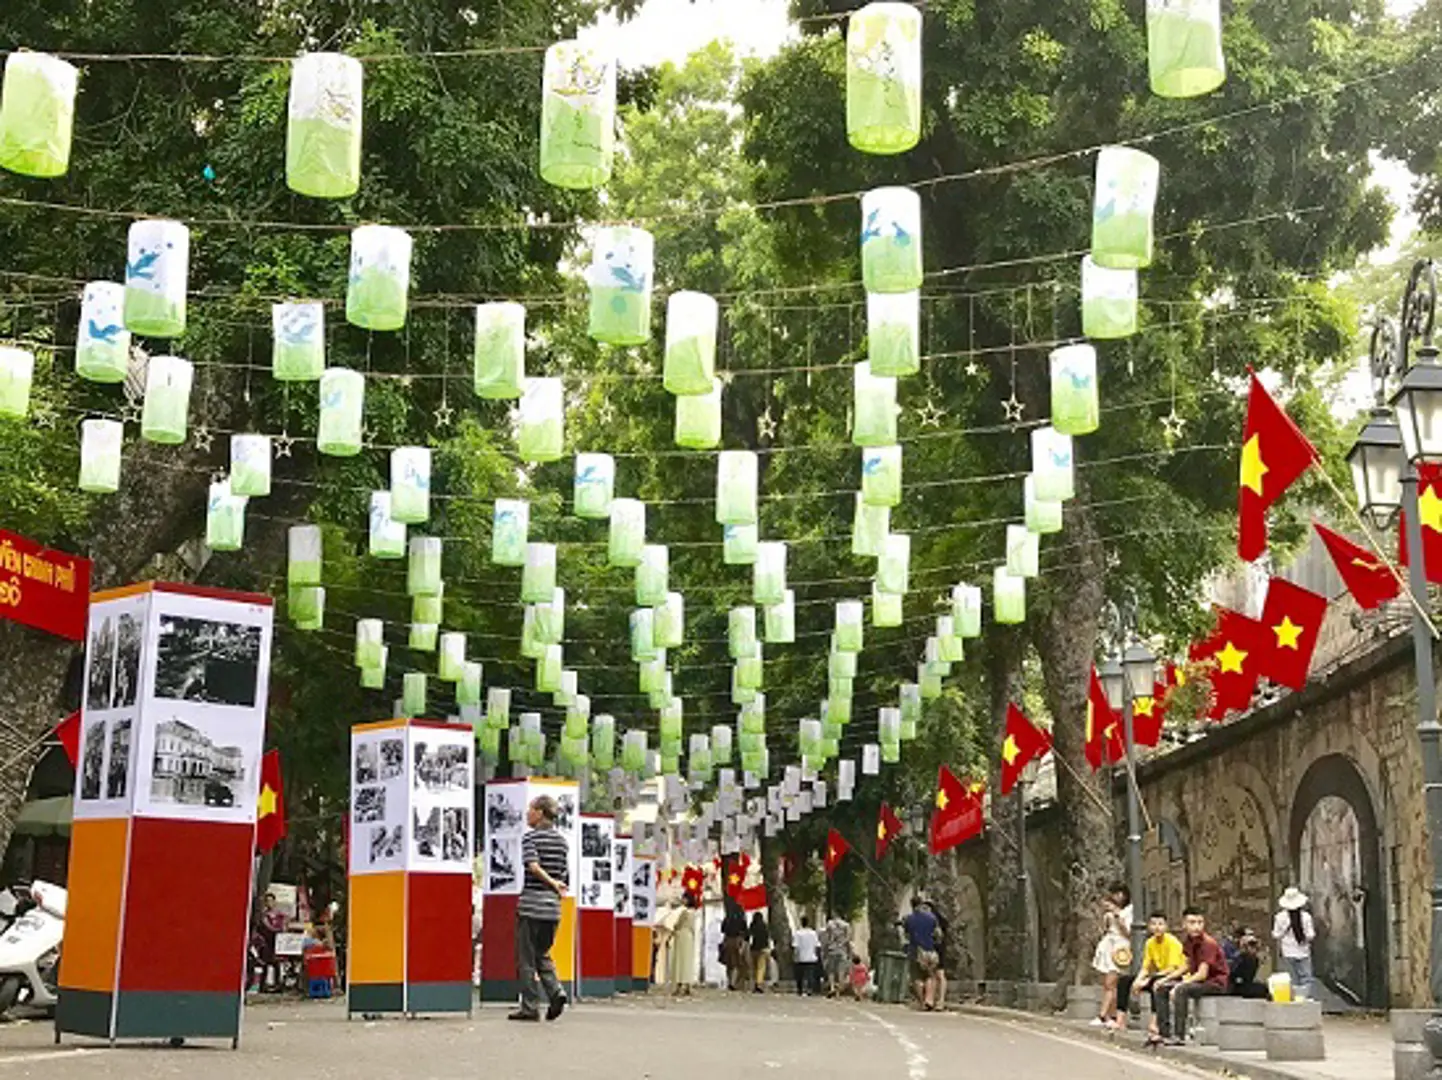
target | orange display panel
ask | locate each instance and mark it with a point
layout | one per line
(377, 928)
(96, 892)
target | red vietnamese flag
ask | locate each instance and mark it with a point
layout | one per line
(1370, 581)
(1105, 740)
(736, 869)
(1149, 714)
(1024, 741)
(270, 811)
(957, 814)
(67, 732)
(888, 827)
(1235, 647)
(1292, 616)
(836, 849)
(693, 880)
(1429, 509)
(1274, 454)
(754, 898)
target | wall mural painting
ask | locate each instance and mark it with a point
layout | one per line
(1232, 875)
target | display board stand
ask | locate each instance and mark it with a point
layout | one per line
(163, 835)
(643, 920)
(504, 824)
(621, 885)
(412, 804)
(595, 896)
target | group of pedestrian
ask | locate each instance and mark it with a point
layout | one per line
(745, 948)
(1176, 973)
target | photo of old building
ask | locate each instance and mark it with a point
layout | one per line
(192, 769)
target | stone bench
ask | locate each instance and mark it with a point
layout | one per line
(1205, 1028)
(1241, 1023)
(1411, 1060)
(1294, 1031)
(1083, 1002)
(1000, 992)
(1038, 997)
(962, 990)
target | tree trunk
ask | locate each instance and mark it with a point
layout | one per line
(776, 916)
(1066, 629)
(882, 913)
(1006, 923)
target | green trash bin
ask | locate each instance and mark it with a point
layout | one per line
(891, 977)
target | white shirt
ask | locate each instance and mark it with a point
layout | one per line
(807, 945)
(1292, 949)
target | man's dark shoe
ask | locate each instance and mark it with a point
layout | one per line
(557, 1006)
(525, 1015)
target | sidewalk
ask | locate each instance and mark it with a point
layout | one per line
(1358, 1048)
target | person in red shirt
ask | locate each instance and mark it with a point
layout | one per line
(1206, 977)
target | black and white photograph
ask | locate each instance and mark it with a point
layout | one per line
(590, 895)
(505, 810)
(207, 660)
(193, 768)
(623, 862)
(596, 843)
(456, 834)
(565, 812)
(393, 758)
(503, 864)
(640, 907)
(441, 768)
(367, 763)
(601, 870)
(387, 844)
(641, 875)
(117, 775)
(427, 834)
(623, 897)
(102, 665)
(370, 804)
(92, 764)
(127, 662)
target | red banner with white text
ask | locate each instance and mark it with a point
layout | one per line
(49, 590)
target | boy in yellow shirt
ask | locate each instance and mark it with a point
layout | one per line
(1163, 961)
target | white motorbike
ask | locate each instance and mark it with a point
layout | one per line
(30, 950)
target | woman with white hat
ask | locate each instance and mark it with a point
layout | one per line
(1293, 930)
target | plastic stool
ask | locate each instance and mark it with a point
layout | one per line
(320, 988)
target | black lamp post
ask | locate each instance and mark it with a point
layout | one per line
(1125, 679)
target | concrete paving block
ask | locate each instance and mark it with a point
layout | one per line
(1296, 1016)
(1001, 992)
(1411, 1061)
(1207, 1021)
(1407, 1024)
(1241, 1037)
(1292, 1044)
(1234, 1010)
(1083, 1002)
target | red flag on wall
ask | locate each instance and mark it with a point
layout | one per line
(1429, 509)
(68, 734)
(957, 814)
(1292, 616)
(1105, 740)
(1274, 454)
(270, 814)
(1369, 580)
(836, 849)
(1023, 742)
(754, 898)
(1149, 714)
(1235, 648)
(888, 827)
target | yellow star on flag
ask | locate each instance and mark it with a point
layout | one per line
(267, 801)
(1231, 659)
(831, 853)
(1429, 508)
(881, 830)
(1253, 467)
(1090, 712)
(1287, 633)
(1009, 750)
(1143, 706)
(941, 799)
(735, 878)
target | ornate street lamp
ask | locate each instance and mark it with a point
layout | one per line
(1125, 678)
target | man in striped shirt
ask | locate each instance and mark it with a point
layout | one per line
(547, 861)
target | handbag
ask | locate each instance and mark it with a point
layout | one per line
(1122, 956)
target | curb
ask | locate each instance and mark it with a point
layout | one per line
(1199, 1059)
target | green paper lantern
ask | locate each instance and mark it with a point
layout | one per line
(930, 682)
(698, 419)
(621, 278)
(1184, 47)
(468, 687)
(323, 133)
(1008, 598)
(413, 694)
(164, 416)
(909, 701)
(380, 277)
(548, 670)
(690, 364)
(342, 408)
(781, 620)
(870, 526)
(224, 518)
(452, 660)
(669, 627)
(578, 717)
(808, 738)
(595, 486)
(738, 547)
(653, 575)
(100, 453)
(578, 115)
(627, 533)
(1109, 301)
(966, 610)
(411, 484)
(1042, 517)
(736, 483)
(741, 631)
(881, 475)
(651, 676)
(538, 578)
(550, 618)
(307, 607)
(423, 637)
(893, 333)
(721, 748)
(934, 664)
(888, 724)
(565, 694)
(374, 677)
(841, 665)
(643, 635)
(37, 114)
(541, 431)
(102, 344)
(1052, 465)
(672, 716)
(908, 729)
(751, 670)
(157, 269)
(850, 625)
(603, 741)
(297, 351)
(488, 744)
(883, 78)
(886, 608)
(499, 359)
(948, 642)
(873, 407)
(510, 526)
(768, 583)
(891, 752)
(387, 535)
(304, 546)
(423, 569)
(753, 716)
(750, 742)
(498, 706)
(633, 751)
(893, 568)
(369, 643)
(741, 695)
(840, 686)
(891, 240)
(658, 697)
(838, 710)
(429, 609)
(1075, 403)
(1023, 551)
(1126, 196)
(250, 465)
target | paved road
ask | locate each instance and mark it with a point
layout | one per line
(711, 1037)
